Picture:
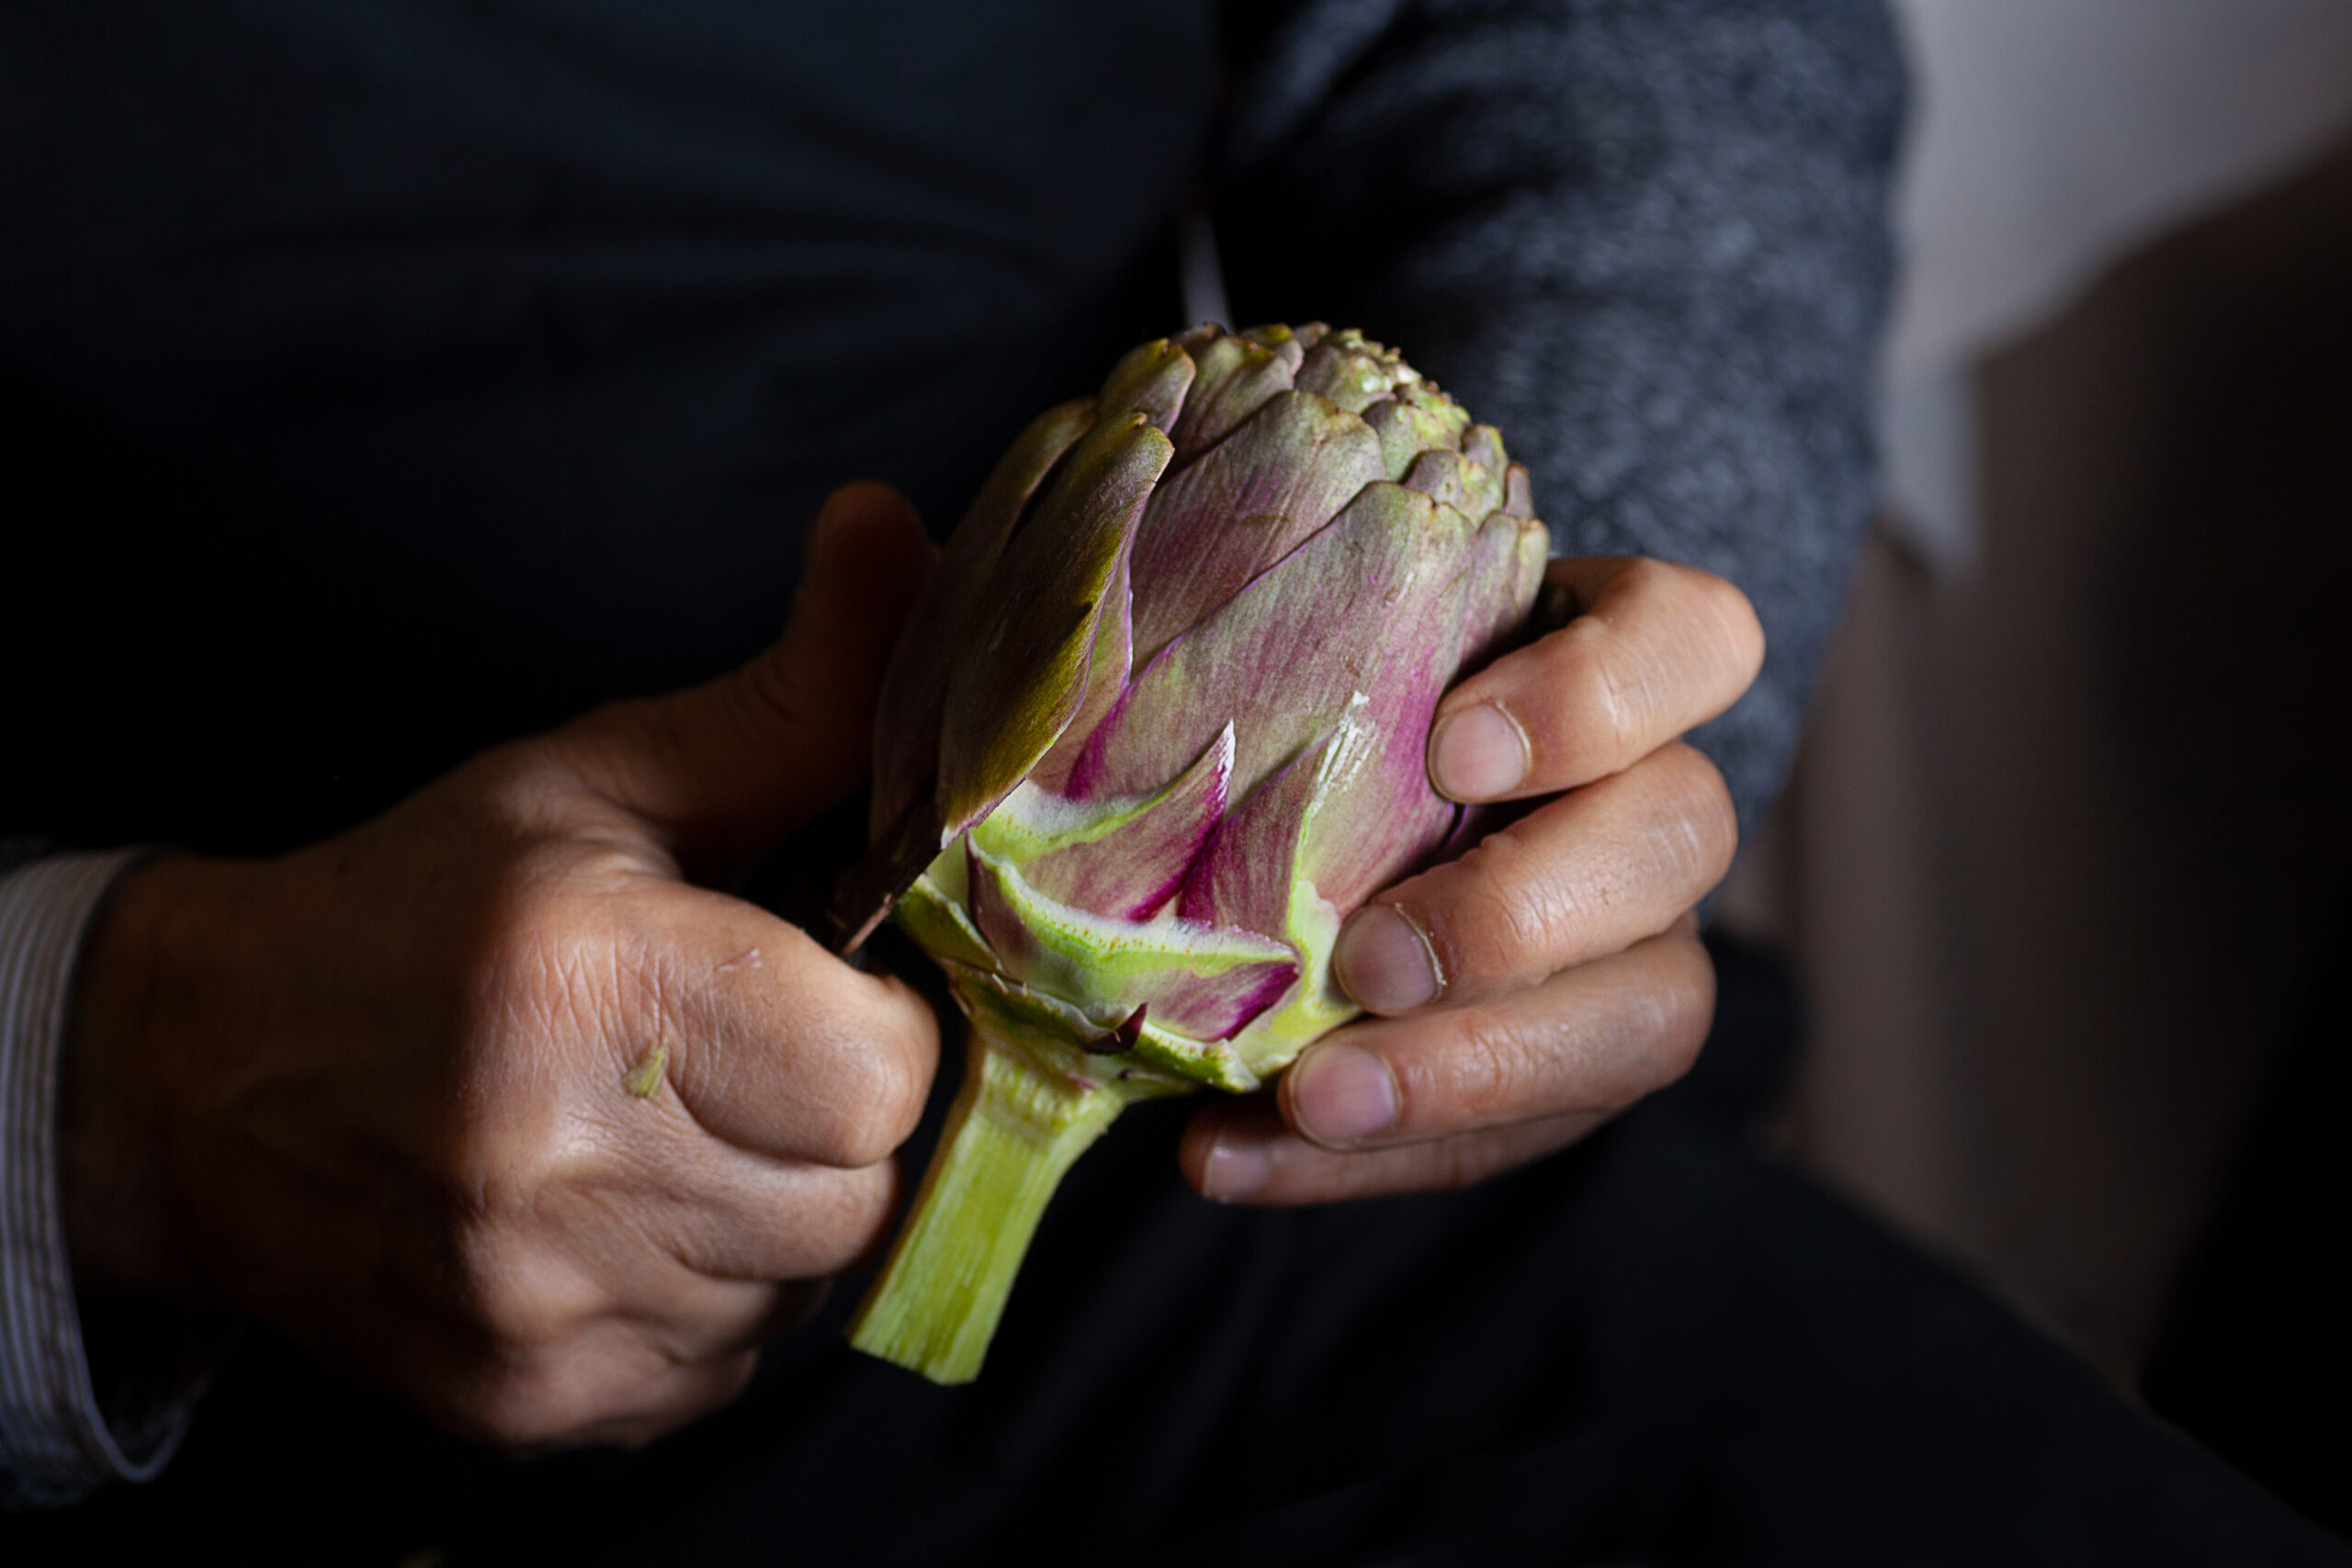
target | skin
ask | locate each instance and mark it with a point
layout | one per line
(1561, 960)
(383, 1091)
(377, 1091)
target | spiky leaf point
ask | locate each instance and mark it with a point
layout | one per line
(1233, 380)
(1150, 379)
(1505, 571)
(1454, 481)
(1519, 500)
(1483, 445)
(1406, 429)
(1305, 336)
(1347, 372)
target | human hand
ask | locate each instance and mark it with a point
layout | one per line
(1554, 974)
(492, 1099)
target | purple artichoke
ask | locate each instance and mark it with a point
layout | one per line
(1156, 727)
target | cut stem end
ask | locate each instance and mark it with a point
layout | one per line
(1014, 1132)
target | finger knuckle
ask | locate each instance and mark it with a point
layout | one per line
(1462, 1162)
(540, 950)
(1648, 577)
(1489, 1064)
(1670, 1020)
(1699, 825)
(774, 696)
(902, 1086)
(502, 1411)
(1592, 709)
(1490, 914)
(516, 1320)
(696, 1392)
(523, 1404)
(874, 1112)
(840, 1221)
(1688, 1006)
(490, 1170)
(1732, 615)
(523, 789)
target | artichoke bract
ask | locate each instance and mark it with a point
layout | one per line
(1155, 728)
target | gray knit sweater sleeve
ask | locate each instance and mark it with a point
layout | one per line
(1646, 238)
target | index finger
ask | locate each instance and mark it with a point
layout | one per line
(1653, 649)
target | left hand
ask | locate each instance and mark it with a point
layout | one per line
(1525, 993)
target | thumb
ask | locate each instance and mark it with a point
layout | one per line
(725, 771)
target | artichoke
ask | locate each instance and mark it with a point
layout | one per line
(1156, 727)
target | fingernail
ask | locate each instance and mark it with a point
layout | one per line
(1343, 1095)
(1383, 961)
(1477, 754)
(1233, 1168)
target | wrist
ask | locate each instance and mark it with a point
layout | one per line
(134, 1006)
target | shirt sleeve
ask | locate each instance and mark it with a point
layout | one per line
(1647, 239)
(58, 1440)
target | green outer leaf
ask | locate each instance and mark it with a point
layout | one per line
(1216, 1063)
(1118, 954)
(1032, 821)
(1200, 982)
(933, 916)
(1055, 1036)
(914, 688)
(1024, 676)
(1314, 1004)
(1150, 379)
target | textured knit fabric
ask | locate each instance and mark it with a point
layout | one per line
(1646, 238)
(56, 1443)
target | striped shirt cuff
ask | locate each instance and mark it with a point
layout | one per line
(57, 1442)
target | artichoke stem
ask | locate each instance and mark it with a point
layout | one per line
(1014, 1132)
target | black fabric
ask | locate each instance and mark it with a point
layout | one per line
(381, 380)
(2256, 1354)
(1660, 1347)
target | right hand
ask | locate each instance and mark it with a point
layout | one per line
(376, 1091)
